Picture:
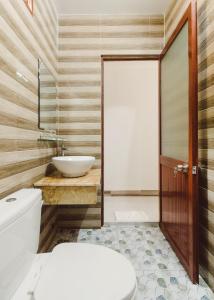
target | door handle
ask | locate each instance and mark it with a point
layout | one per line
(185, 168)
(181, 168)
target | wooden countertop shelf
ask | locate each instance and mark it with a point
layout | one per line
(71, 191)
(92, 178)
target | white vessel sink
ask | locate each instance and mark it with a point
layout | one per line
(73, 166)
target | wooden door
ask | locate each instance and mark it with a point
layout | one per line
(178, 159)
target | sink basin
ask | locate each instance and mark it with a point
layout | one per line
(73, 166)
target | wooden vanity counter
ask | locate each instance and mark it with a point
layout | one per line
(61, 190)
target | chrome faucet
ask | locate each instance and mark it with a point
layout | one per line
(61, 149)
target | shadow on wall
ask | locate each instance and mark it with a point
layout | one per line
(62, 223)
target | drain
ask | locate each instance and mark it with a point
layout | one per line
(10, 200)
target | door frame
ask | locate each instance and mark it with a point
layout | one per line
(189, 16)
(105, 58)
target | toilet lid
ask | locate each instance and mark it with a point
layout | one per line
(80, 271)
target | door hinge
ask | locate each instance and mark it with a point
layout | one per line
(194, 170)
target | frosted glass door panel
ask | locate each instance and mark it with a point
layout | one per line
(175, 98)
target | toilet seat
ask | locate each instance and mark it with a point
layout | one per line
(80, 271)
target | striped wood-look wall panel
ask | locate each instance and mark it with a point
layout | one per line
(79, 216)
(82, 41)
(23, 39)
(205, 13)
(48, 227)
(173, 15)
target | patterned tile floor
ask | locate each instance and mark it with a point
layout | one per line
(160, 276)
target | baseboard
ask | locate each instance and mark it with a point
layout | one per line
(106, 224)
(133, 193)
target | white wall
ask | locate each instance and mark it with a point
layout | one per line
(131, 125)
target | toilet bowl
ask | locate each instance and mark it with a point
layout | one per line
(72, 271)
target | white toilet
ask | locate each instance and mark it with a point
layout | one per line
(73, 271)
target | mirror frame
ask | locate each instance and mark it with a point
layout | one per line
(39, 105)
(39, 98)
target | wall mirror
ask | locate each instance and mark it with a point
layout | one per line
(47, 92)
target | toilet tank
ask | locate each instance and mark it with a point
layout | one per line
(20, 216)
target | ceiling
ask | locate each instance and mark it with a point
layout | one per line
(112, 6)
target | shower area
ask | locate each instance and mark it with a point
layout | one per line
(131, 138)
